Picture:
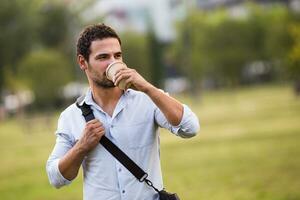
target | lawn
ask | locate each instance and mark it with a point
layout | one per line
(248, 148)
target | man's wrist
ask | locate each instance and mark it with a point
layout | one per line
(149, 89)
(80, 149)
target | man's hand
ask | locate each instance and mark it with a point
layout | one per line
(70, 163)
(91, 136)
(132, 78)
(171, 108)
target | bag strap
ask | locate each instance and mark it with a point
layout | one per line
(127, 162)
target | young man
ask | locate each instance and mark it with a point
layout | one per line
(129, 118)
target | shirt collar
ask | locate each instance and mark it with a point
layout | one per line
(88, 99)
(85, 98)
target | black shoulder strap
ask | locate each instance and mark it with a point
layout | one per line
(113, 149)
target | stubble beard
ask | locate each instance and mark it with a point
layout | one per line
(101, 81)
(104, 82)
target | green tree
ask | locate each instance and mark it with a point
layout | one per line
(293, 67)
(16, 35)
(218, 45)
(30, 25)
(136, 53)
(215, 45)
(45, 72)
(54, 24)
(294, 54)
(277, 40)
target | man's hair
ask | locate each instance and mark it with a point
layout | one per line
(92, 33)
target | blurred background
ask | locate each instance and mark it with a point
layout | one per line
(236, 63)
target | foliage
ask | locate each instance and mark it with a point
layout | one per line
(16, 35)
(28, 25)
(215, 45)
(294, 53)
(136, 53)
(45, 72)
(220, 45)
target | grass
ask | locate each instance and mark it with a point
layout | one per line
(248, 148)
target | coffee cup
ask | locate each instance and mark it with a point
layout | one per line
(111, 71)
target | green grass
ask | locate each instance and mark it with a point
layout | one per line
(248, 148)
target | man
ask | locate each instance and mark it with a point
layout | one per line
(129, 118)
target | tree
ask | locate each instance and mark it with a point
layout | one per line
(45, 72)
(293, 69)
(54, 25)
(136, 53)
(215, 45)
(29, 25)
(16, 35)
(277, 40)
(219, 46)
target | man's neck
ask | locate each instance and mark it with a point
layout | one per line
(106, 98)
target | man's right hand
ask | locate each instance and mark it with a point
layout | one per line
(91, 136)
(71, 161)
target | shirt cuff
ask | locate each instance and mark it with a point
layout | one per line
(189, 125)
(56, 178)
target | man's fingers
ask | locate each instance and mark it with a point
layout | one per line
(93, 124)
(125, 75)
(123, 72)
(93, 121)
(99, 130)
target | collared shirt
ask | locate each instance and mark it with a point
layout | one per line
(133, 127)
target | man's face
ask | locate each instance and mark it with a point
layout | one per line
(103, 52)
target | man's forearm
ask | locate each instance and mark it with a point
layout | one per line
(69, 164)
(170, 107)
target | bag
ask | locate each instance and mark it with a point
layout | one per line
(164, 195)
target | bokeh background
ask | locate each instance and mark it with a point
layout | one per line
(236, 63)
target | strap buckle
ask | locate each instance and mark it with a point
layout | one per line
(148, 182)
(143, 177)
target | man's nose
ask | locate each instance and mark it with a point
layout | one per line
(112, 60)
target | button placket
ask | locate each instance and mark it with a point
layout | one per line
(120, 178)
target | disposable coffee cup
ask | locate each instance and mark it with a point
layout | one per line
(111, 71)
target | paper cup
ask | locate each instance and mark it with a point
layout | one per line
(111, 71)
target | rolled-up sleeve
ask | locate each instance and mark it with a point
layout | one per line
(188, 127)
(64, 143)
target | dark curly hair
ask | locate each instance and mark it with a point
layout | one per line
(92, 33)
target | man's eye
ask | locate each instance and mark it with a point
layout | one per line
(102, 57)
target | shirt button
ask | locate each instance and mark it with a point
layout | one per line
(123, 191)
(120, 169)
(111, 126)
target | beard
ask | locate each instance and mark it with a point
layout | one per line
(103, 82)
(100, 80)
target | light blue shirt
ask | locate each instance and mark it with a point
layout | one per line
(133, 127)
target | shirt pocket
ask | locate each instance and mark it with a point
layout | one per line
(136, 135)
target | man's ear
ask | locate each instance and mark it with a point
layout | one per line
(82, 62)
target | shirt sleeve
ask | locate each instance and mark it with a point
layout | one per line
(64, 142)
(188, 127)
